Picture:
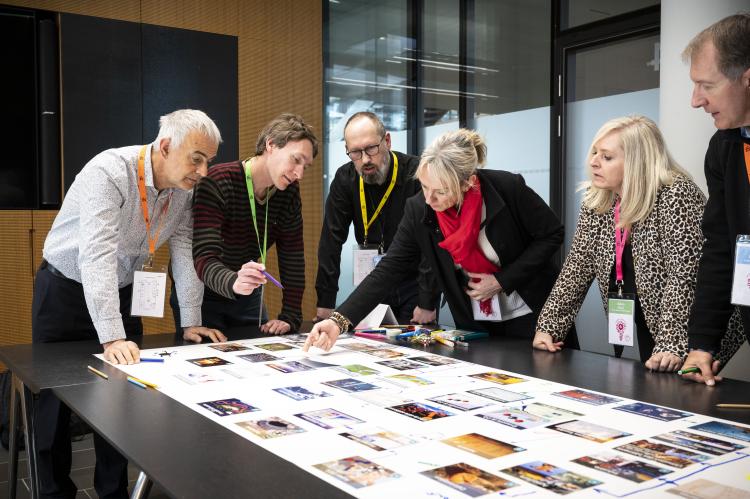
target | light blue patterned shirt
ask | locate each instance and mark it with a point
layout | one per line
(99, 237)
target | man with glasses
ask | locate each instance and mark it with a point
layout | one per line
(370, 191)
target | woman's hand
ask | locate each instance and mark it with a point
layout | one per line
(482, 286)
(663, 362)
(544, 341)
(323, 335)
(275, 326)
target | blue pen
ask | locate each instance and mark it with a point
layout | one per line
(145, 359)
(403, 336)
(137, 383)
(270, 278)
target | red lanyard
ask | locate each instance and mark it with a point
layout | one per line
(621, 239)
(747, 160)
(144, 207)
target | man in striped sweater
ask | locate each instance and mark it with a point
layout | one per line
(242, 209)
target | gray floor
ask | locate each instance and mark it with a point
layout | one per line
(82, 473)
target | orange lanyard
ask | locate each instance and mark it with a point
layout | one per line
(144, 207)
(747, 159)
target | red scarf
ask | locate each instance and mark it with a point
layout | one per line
(461, 232)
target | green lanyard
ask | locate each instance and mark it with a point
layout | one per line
(251, 195)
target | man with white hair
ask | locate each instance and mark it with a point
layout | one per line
(720, 69)
(122, 206)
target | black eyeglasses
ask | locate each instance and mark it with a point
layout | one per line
(369, 150)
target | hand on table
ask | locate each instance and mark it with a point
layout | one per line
(249, 277)
(276, 326)
(663, 362)
(423, 316)
(323, 335)
(544, 341)
(708, 367)
(482, 286)
(197, 333)
(121, 352)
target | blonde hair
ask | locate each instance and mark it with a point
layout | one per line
(647, 167)
(453, 158)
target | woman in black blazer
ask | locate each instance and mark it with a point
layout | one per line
(488, 238)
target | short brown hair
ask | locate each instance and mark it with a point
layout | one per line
(731, 37)
(285, 128)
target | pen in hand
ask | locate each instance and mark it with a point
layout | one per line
(270, 278)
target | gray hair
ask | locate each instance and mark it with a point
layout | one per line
(731, 37)
(178, 124)
(453, 158)
(374, 118)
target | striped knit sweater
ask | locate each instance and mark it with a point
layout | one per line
(224, 238)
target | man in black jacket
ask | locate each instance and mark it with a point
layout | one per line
(720, 69)
(371, 191)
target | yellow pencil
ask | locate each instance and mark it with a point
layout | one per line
(734, 406)
(98, 372)
(443, 341)
(147, 383)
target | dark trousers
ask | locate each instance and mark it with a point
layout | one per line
(221, 313)
(404, 299)
(524, 327)
(59, 313)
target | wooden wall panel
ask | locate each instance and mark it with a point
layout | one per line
(16, 283)
(41, 223)
(124, 10)
(216, 16)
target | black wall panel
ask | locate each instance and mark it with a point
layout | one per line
(191, 69)
(101, 88)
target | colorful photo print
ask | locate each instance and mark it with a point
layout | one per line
(500, 378)
(357, 471)
(228, 347)
(663, 453)
(499, 395)
(315, 364)
(209, 361)
(271, 427)
(629, 469)
(470, 480)
(549, 412)
(515, 418)
(384, 353)
(587, 397)
(257, 357)
(358, 346)
(699, 443)
(328, 418)
(379, 441)
(290, 367)
(400, 364)
(275, 347)
(482, 446)
(653, 411)
(550, 477)
(357, 370)
(706, 489)
(351, 385)
(300, 393)
(407, 379)
(420, 411)
(462, 401)
(589, 431)
(227, 407)
(434, 360)
(728, 430)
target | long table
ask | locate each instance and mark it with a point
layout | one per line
(190, 456)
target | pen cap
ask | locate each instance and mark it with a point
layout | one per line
(391, 332)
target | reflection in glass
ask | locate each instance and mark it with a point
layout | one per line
(577, 12)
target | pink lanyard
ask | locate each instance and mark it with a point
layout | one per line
(621, 239)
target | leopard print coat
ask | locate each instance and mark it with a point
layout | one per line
(666, 250)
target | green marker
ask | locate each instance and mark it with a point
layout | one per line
(689, 370)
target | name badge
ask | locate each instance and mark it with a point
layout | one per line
(621, 319)
(149, 290)
(365, 259)
(741, 280)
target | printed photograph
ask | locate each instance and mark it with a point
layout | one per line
(357, 471)
(328, 418)
(357, 370)
(653, 411)
(699, 443)
(258, 357)
(358, 346)
(290, 367)
(384, 353)
(663, 453)
(434, 360)
(500, 378)
(462, 401)
(271, 427)
(420, 411)
(350, 385)
(726, 429)
(408, 379)
(589, 431)
(482, 445)
(587, 397)
(550, 477)
(515, 418)
(228, 347)
(379, 441)
(300, 393)
(629, 469)
(227, 407)
(400, 364)
(468, 479)
(499, 395)
(706, 489)
(275, 347)
(209, 362)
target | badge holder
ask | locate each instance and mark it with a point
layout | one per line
(149, 290)
(621, 317)
(365, 258)
(741, 272)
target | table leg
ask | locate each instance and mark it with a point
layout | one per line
(27, 399)
(13, 439)
(142, 487)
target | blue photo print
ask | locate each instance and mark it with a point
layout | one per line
(653, 411)
(728, 430)
(300, 393)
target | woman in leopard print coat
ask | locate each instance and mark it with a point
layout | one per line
(661, 207)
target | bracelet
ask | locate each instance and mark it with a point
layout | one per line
(342, 322)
